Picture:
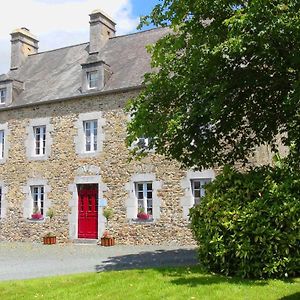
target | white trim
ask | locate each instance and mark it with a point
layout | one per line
(30, 140)
(4, 128)
(3, 200)
(73, 204)
(28, 202)
(132, 203)
(79, 140)
(187, 201)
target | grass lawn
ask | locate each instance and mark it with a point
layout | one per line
(164, 283)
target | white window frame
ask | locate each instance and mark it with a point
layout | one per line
(3, 191)
(90, 128)
(92, 79)
(131, 202)
(1, 201)
(2, 143)
(3, 95)
(44, 144)
(80, 138)
(38, 198)
(199, 192)
(28, 203)
(40, 140)
(144, 203)
(187, 200)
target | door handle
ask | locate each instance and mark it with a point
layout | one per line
(86, 214)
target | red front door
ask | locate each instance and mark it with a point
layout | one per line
(88, 211)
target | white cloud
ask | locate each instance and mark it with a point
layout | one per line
(58, 23)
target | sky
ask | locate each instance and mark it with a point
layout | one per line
(60, 23)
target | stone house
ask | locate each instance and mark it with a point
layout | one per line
(62, 132)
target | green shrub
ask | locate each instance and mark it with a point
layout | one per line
(248, 224)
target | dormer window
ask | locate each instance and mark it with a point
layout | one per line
(92, 79)
(3, 95)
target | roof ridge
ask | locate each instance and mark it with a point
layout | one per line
(115, 37)
(137, 32)
(65, 47)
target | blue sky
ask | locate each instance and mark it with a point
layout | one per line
(59, 23)
(141, 7)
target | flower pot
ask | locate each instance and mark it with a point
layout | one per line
(49, 240)
(107, 241)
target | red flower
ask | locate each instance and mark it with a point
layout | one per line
(143, 216)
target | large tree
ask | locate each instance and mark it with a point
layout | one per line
(226, 80)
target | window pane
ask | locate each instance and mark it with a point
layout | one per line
(196, 184)
(140, 187)
(140, 204)
(197, 193)
(140, 195)
(149, 195)
(149, 186)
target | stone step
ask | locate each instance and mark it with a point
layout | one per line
(85, 241)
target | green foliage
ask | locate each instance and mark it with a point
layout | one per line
(108, 213)
(50, 213)
(249, 224)
(224, 86)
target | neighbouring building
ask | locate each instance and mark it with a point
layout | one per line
(62, 132)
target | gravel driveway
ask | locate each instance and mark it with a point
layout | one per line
(31, 260)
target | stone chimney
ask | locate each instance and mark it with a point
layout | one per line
(23, 43)
(102, 28)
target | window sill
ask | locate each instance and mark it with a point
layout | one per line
(30, 220)
(37, 158)
(142, 221)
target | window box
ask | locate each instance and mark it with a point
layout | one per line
(143, 216)
(37, 216)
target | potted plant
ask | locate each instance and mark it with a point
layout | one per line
(49, 238)
(107, 239)
(142, 215)
(36, 214)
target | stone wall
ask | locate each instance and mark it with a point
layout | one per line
(64, 165)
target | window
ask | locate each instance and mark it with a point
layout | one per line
(2, 96)
(92, 79)
(1, 144)
(198, 188)
(90, 132)
(39, 140)
(144, 194)
(37, 194)
(143, 142)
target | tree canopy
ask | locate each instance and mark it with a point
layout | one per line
(225, 80)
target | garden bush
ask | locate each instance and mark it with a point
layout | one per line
(248, 223)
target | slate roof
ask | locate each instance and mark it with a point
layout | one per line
(56, 74)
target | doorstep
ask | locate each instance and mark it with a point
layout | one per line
(85, 241)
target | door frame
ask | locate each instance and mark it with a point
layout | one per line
(73, 204)
(86, 188)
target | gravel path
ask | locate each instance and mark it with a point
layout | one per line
(27, 260)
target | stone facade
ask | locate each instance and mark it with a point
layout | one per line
(64, 165)
(49, 93)
(110, 169)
